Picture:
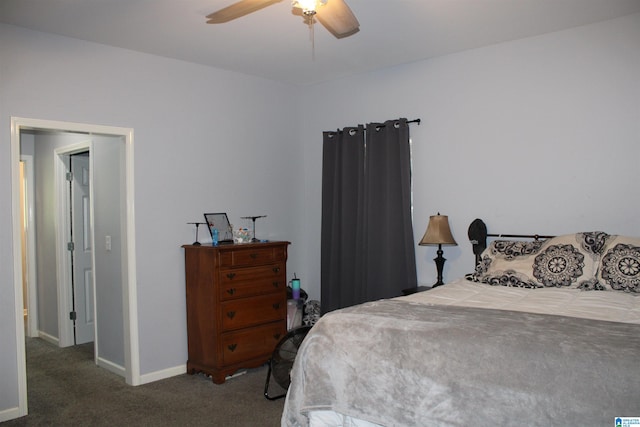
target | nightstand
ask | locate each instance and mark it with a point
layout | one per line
(410, 291)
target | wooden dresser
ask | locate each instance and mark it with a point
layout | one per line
(236, 305)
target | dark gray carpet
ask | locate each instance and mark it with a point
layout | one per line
(66, 388)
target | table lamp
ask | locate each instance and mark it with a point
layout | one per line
(438, 233)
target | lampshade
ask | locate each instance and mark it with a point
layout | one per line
(438, 232)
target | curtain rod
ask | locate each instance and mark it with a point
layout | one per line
(408, 121)
(381, 125)
(527, 236)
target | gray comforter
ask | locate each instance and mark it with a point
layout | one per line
(398, 363)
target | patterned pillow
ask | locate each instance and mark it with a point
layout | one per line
(507, 263)
(620, 264)
(563, 261)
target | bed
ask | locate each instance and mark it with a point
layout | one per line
(544, 332)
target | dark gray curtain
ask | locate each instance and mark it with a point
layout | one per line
(367, 233)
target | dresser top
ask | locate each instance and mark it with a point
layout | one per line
(238, 245)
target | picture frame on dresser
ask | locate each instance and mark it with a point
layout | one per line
(221, 222)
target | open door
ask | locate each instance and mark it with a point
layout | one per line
(81, 246)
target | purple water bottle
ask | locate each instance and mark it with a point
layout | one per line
(295, 288)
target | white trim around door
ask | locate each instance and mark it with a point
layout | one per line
(131, 338)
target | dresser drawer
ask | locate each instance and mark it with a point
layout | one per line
(251, 281)
(252, 255)
(242, 313)
(251, 343)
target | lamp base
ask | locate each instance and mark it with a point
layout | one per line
(439, 266)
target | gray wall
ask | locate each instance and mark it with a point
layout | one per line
(534, 135)
(539, 135)
(108, 190)
(205, 140)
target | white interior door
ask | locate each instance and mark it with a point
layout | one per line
(83, 288)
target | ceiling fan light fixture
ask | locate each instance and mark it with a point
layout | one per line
(308, 7)
(335, 16)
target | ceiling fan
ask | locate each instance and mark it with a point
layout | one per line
(334, 15)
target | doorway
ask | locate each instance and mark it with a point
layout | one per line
(126, 249)
(64, 213)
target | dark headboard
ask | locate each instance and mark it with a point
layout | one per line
(478, 237)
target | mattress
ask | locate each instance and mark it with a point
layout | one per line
(613, 306)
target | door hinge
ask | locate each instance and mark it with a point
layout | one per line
(72, 315)
(69, 176)
(70, 246)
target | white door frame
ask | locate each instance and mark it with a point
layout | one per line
(63, 236)
(30, 231)
(130, 311)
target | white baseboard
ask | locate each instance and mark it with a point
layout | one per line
(111, 367)
(11, 414)
(49, 338)
(163, 374)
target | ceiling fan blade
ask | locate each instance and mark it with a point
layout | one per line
(338, 18)
(237, 10)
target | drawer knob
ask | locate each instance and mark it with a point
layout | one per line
(276, 305)
(231, 275)
(276, 336)
(276, 284)
(231, 314)
(253, 255)
(276, 269)
(232, 347)
(231, 291)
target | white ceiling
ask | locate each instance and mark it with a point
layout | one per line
(275, 44)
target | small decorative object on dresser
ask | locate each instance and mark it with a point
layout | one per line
(236, 305)
(253, 218)
(197, 224)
